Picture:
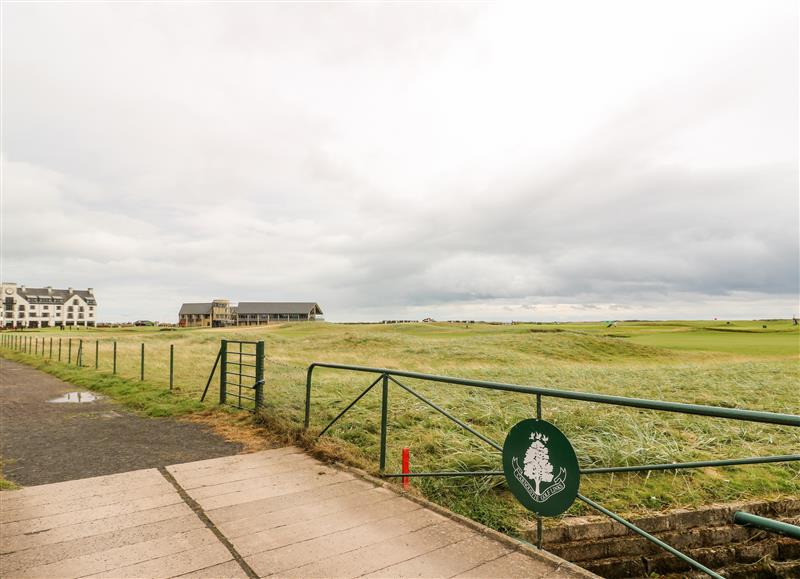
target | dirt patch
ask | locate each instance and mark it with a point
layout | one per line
(42, 442)
(238, 428)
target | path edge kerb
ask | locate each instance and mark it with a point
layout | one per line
(560, 565)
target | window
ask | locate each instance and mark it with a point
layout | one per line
(69, 316)
(70, 308)
(75, 301)
(58, 307)
(45, 307)
(91, 308)
(22, 307)
(91, 315)
(80, 309)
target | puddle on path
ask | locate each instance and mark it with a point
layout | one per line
(76, 398)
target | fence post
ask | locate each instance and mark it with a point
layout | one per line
(384, 420)
(259, 374)
(171, 364)
(36, 347)
(51, 348)
(141, 373)
(80, 352)
(59, 349)
(96, 354)
(539, 520)
(223, 370)
(115, 357)
(69, 351)
(406, 467)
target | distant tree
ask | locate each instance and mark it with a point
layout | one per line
(537, 461)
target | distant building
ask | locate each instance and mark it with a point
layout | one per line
(254, 313)
(29, 307)
(221, 313)
(214, 314)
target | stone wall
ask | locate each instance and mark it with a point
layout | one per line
(707, 534)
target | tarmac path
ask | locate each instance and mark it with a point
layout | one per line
(43, 442)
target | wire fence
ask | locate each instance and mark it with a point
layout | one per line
(97, 354)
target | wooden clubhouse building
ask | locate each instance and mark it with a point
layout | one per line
(220, 312)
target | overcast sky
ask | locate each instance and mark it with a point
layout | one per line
(525, 161)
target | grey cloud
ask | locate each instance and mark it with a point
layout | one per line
(391, 161)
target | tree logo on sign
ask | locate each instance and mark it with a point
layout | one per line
(541, 467)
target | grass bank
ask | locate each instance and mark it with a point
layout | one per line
(738, 364)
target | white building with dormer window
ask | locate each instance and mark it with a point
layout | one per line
(44, 307)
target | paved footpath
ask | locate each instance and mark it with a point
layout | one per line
(43, 442)
(277, 512)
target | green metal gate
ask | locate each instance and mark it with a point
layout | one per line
(241, 374)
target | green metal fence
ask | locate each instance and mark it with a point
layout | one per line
(385, 377)
(241, 374)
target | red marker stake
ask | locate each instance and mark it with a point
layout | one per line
(406, 468)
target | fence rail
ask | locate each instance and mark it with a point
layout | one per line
(387, 376)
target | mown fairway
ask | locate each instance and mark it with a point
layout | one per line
(740, 364)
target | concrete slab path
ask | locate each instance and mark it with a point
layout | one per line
(272, 513)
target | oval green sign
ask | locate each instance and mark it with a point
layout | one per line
(541, 468)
